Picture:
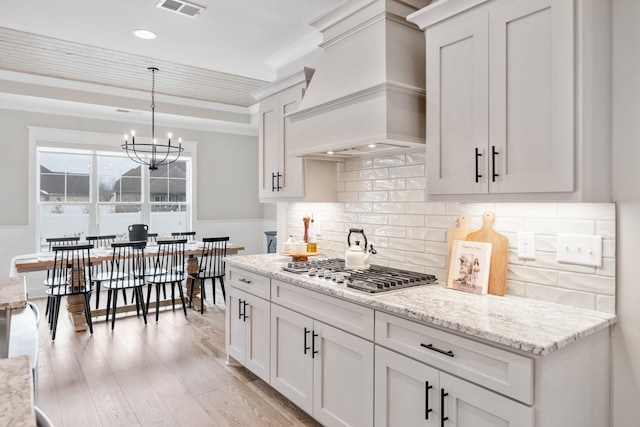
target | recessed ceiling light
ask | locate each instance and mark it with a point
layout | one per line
(145, 34)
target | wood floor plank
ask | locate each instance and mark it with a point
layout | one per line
(169, 373)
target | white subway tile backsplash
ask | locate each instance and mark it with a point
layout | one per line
(561, 296)
(385, 162)
(407, 244)
(389, 184)
(587, 282)
(407, 220)
(395, 207)
(373, 174)
(386, 196)
(406, 171)
(407, 196)
(374, 196)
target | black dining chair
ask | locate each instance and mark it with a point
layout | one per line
(71, 275)
(210, 266)
(126, 267)
(51, 242)
(190, 235)
(101, 272)
(152, 237)
(168, 269)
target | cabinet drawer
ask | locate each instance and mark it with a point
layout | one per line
(344, 315)
(252, 283)
(500, 370)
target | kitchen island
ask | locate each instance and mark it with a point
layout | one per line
(462, 359)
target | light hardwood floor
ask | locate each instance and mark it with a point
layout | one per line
(169, 373)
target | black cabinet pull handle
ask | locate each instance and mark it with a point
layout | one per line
(239, 309)
(431, 347)
(478, 154)
(493, 163)
(427, 387)
(313, 345)
(306, 347)
(244, 314)
(442, 417)
(244, 281)
(273, 181)
(278, 187)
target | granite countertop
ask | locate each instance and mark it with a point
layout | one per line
(13, 293)
(525, 324)
(16, 400)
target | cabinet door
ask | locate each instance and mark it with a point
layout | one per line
(257, 327)
(235, 326)
(467, 405)
(457, 106)
(531, 111)
(291, 362)
(406, 392)
(268, 146)
(342, 378)
(291, 168)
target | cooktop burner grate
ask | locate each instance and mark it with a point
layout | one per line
(373, 280)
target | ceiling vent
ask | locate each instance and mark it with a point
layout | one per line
(181, 7)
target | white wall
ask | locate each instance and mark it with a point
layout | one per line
(626, 194)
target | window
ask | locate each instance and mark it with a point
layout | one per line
(86, 192)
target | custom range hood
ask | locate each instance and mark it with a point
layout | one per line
(367, 94)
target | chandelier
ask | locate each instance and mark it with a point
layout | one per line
(152, 154)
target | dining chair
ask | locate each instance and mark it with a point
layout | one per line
(190, 235)
(71, 275)
(101, 272)
(51, 242)
(126, 267)
(152, 237)
(210, 266)
(168, 269)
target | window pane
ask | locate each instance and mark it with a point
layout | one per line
(63, 220)
(120, 180)
(169, 183)
(116, 218)
(64, 177)
(167, 218)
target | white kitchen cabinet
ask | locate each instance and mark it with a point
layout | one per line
(247, 327)
(325, 371)
(283, 177)
(410, 393)
(506, 101)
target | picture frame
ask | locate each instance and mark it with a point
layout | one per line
(469, 267)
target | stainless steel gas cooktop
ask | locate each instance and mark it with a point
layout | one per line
(372, 280)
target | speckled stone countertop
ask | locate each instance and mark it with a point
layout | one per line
(16, 400)
(529, 325)
(13, 293)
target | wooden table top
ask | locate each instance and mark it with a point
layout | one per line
(43, 261)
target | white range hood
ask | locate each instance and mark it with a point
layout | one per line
(368, 91)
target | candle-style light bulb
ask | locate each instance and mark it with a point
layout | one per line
(154, 141)
(169, 135)
(133, 136)
(126, 138)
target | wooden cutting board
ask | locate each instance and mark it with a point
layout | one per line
(499, 253)
(456, 233)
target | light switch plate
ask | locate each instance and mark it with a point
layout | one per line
(526, 245)
(581, 249)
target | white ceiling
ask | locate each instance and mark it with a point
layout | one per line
(219, 57)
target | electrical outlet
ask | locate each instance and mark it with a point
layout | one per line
(526, 245)
(581, 249)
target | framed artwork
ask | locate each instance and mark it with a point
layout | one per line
(469, 267)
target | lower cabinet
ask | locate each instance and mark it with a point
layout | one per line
(325, 371)
(247, 331)
(410, 393)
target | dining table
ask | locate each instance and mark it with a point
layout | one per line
(43, 261)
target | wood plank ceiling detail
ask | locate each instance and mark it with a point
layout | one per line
(43, 56)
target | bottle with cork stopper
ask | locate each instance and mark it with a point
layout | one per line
(312, 243)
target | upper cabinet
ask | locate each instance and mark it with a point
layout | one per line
(281, 177)
(516, 101)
